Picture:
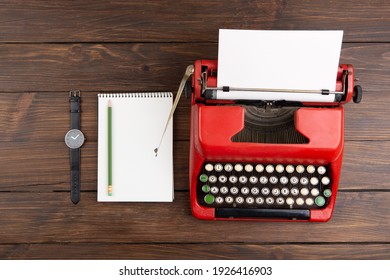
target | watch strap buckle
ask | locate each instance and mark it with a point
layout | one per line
(75, 93)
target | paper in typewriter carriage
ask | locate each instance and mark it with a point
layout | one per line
(138, 121)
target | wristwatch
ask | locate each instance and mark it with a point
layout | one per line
(74, 139)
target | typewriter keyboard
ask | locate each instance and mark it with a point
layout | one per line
(242, 185)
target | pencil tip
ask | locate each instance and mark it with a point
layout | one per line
(109, 103)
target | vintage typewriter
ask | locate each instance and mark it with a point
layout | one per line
(260, 159)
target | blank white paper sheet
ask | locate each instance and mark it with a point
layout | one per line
(299, 60)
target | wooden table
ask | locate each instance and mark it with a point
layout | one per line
(50, 47)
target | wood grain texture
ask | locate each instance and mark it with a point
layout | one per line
(199, 251)
(188, 21)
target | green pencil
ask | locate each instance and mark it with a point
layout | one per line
(109, 109)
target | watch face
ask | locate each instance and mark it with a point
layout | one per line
(74, 138)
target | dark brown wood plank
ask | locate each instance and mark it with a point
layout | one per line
(43, 166)
(192, 21)
(201, 251)
(51, 217)
(143, 67)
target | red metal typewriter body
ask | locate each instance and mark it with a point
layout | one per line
(213, 125)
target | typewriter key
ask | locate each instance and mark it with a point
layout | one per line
(212, 179)
(300, 201)
(222, 179)
(321, 170)
(284, 191)
(209, 199)
(218, 167)
(209, 167)
(253, 179)
(205, 188)
(214, 190)
(314, 181)
(304, 181)
(290, 201)
(243, 179)
(233, 179)
(294, 191)
(239, 199)
(300, 169)
(325, 181)
(234, 190)
(310, 169)
(283, 180)
(224, 190)
(304, 191)
(315, 192)
(280, 200)
(273, 180)
(270, 200)
(259, 168)
(263, 180)
(294, 180)
(309, 201)
(269, 168)
(255, 191)
(265, 191)
(259, 200)
(203, 178)
(218, 199)
(279, 168)
(275, 191)
(238, 167)
(228, 167)
(289, 168)
(249, 200)
(320, 201)
(229, 199)
(248, 168)
(327, 192)
(245, 190)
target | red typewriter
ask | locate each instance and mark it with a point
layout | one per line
(266, 160)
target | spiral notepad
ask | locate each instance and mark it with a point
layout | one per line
(137, 123)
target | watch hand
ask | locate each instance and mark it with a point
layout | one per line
(74, 138)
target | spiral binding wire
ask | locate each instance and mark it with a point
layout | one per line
(135, 95)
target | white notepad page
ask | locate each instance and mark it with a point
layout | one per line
(138, 121)
(302, 60)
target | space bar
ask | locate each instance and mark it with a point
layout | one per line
(262, 213)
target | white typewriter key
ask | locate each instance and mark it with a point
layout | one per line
(238, 167)
(290, 201)
(284, 191)
(212, 179)
(279, 168)
(218, 167)
(234, 190)
(310, 169)
(250, 200)
(233, 179)
(290, 169)
(304, 191)
(259, 168)
(304, 181)
(315, 192)
(245, 190)
(321, 170)
(265, 191)
(219, 199)
(222, 179)
(214, 190)
(228, 167)
(283, 180)
(300, 201)
(325, 181)
(300, 169)
(294, 180)
(263, 180)
(280, 200)
(209, 167)
(239, 199)
(273, 180)
(314, 181)
(275, 192)
(243, 179)
(309, 201)
(229, 199)
(253, 179)
(255, 191)
(270, 200)
(294, 191)
(259, 200)
(248, 167)
(224, 190)
(269, 168)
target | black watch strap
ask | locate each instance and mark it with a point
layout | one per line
(74, 154)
